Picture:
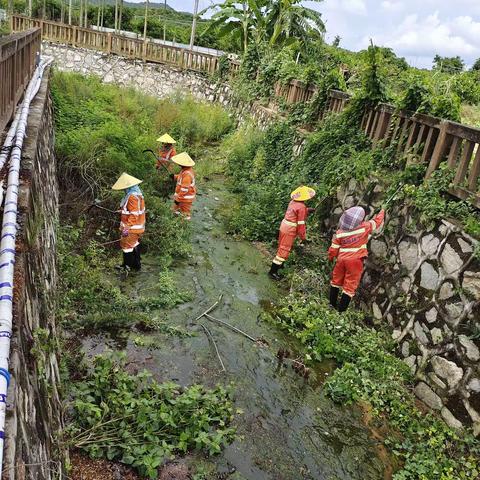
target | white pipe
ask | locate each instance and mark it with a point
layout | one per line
(7, 240)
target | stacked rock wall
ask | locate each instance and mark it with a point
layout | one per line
(34, 410)
(425, 283)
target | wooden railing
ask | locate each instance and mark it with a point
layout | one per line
(295, 91)
(121, 45)
(429, 139)
(17, 63)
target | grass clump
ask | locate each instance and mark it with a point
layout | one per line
(88, 300)
(102, 129)
(368, 370)
(140, 422)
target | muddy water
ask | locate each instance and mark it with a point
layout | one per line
(289, 430)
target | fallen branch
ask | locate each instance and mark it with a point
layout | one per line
(210, 336)
(206, 312)
(235, 329)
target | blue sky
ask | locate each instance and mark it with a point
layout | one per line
(415, 29)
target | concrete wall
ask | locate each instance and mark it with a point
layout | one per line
(425, 284)
(34, 417)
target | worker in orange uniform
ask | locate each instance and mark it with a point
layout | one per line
(349, 247)
(166, 151)
(185, 190)
(292, 226)
(132, 220)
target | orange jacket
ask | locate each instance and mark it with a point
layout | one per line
(351, 244)
(294, 220)
(185, 190)
(133, 214)
(164, 156)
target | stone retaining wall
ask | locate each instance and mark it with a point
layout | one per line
(425, 283)
(159, 80)
(34, 411)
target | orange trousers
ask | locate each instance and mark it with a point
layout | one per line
(183, 208)
(128, 243)
(286, 239)
(347, 275)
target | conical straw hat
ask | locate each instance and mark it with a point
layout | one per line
(166, 138)
(183, 159)
(125, 181)
(302, 193)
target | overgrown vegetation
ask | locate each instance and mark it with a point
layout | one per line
(102, 130)
(140, 422)
(89, 299)
(369, 371)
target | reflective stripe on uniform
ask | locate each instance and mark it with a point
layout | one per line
(352, 249)
(290, 224)
(137, 227)
(278, 260)
(333, 245)
(133, 212)
(188, 197)
(301, 222)
(374, 225)
(348, 234)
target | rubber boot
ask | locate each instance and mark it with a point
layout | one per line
(274, 271)
(344, 302)
(334, 291)
(128, 261)
(137, 263)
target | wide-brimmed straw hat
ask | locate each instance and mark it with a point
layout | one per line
(125, 181)
(166, 138)
(302, 193)
(351, 218)
(183, 159)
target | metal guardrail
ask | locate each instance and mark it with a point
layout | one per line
(111, 43)
(17, 63)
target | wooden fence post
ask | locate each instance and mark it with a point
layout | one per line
(109, 42)
(439, 151)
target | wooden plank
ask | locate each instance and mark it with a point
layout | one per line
(474, 172)
(439, 150)
(454, 150)
(464, 162)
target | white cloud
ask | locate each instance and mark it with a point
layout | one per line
(356, 7)
(392, 6)
(417, 36)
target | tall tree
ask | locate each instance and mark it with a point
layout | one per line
(292, 21)
(279, 22)
(145, 23)
(448, 64)
(476, 66)
(69, 12)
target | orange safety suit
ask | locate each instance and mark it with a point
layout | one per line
(165, 155)
(185, 192)
(349, 247)
(132, 221)
(292, 226)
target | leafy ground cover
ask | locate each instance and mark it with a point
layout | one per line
(140, 422)
(368, 370)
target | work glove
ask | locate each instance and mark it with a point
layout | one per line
(125, 232)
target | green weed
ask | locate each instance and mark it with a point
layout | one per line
(368, 370)
(139, 422)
